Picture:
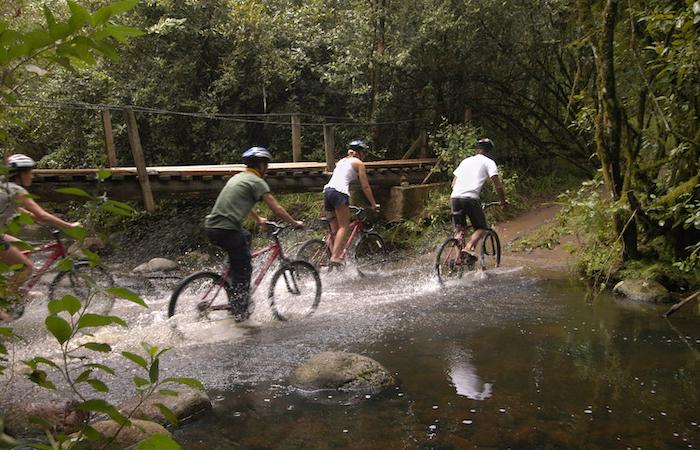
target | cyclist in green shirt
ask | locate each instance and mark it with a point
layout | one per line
(224, 223)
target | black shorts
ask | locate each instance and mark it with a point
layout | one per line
(463, 207)
(333, 199)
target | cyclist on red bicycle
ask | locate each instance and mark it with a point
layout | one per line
(469, 178)
(224, 224)
(336, 195)
(15, 198)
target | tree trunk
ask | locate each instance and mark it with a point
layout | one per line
(378, 47)
(608, 132)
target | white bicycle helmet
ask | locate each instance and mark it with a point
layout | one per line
(256, 154)
(19, 161)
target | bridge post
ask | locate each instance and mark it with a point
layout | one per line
(109, 138)
(296, 138)
(139, 160)
(329, 146)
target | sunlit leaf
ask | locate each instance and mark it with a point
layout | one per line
(191, 382)
(167, 413)
(159, 442)
(74, 191)
(139, 360)
(126, 294)
(97, 385)
(68, 303)
(98, 347)
(102, 406)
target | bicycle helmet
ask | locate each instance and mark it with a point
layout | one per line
(358, 144)
(256, 154)
(18, 162)
(485, 144)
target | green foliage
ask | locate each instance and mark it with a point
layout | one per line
(452, 143)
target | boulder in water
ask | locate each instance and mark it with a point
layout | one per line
(130, 435)
(61, 417)
(641, 290)
(186, 405)
(348, 372)
(157, 265)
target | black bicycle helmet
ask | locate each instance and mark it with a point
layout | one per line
(256, 154)
(485, 144)
(358, 144)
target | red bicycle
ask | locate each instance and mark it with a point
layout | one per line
(295, 288)
(84, 280)
(368, 249)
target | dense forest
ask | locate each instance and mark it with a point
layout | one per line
(605, 89)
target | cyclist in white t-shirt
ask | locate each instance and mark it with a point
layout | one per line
(469, 178)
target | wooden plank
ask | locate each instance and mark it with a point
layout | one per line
(109, 138)
(139, 160)
(296, 138)
(329, 147)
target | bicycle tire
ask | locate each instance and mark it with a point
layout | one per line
(315, 252)
(370, 254)
(88, 284)
(295, 291)
(449, 263)
(197, 294)
(490, 256)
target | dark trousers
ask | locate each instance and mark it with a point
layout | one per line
(237, 246)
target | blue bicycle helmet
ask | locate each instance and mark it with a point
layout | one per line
(256, 154)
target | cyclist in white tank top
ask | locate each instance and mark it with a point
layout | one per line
(336, 194)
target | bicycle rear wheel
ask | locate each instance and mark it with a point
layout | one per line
(88, 284)
(295, 291)
(449, 264)
(370, 254)
(490, 257)
(201, 296)
(316, 252)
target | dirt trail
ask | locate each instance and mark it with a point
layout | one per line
(553, 262)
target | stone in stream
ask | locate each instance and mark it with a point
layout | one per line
(640, 290)
(22, 419)
(93, 244)
(343, 372)
(129, 436)
(186, 405)
(157, 265)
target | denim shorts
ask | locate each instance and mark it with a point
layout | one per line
(333, 199)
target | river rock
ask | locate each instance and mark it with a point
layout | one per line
(61, 417)
(157, 265)
(188, 404)
(648, 291)
(343, 372)
(94, 244)
(130, 435)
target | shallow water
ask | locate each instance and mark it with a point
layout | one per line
(499, 360)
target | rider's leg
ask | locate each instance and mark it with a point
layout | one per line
(237, 246)
(471, 244)
(342, 216)
(13, 256)
(478, 220)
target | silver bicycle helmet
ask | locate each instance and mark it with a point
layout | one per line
(256, 154)
(19, 161)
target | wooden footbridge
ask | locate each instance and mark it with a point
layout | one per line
(124, 183)
(152, 183)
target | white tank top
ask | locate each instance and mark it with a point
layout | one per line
(343, 175)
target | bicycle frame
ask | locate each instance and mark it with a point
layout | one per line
(355, 228)
(59, 251)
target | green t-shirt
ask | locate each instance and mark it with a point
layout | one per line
(235, 201)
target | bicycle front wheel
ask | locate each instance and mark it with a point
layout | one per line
(449, 264)
(295, 291)
(316, 252)
(201, 296)
(370, 254)
(88, 284)
(490, 250)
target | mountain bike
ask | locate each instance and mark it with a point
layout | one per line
(452, 258)
(294, 292)
(368, 248)
(87, 282)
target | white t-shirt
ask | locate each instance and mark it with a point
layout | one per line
(343, 175)
(471, 174)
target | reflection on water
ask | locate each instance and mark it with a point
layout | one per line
(464, 378)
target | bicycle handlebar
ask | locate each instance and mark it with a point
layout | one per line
(485, 206)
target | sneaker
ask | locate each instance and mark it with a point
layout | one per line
(339, 265)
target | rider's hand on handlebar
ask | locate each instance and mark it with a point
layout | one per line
(74, 224)
(504, 204)
(376, 207)
(298, 224)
